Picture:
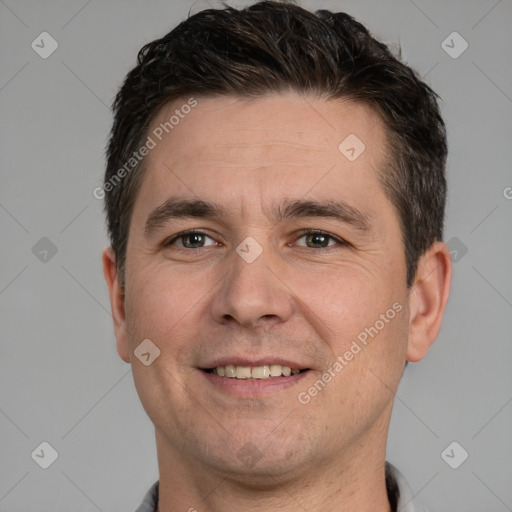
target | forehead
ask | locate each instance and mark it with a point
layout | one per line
(250, 155)
(274, 128)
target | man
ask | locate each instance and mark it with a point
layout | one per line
(275, 197)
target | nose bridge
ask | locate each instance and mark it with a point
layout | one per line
(251, 290)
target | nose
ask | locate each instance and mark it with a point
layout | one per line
(253, 293)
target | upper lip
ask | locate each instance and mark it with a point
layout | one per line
(260, 361)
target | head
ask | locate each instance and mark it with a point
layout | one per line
(275, 47)
(244, 114)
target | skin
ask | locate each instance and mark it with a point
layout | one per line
(296, 300)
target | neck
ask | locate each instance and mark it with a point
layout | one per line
(354, 481)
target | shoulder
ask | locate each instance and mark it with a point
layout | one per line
(150, 501)
(399, 489)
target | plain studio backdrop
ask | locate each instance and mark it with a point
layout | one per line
(61, 380)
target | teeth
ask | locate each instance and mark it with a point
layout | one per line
(243, 372)
(254, 372)
(275, 370)
(260, 372)
(230, 371)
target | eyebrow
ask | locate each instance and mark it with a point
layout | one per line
(181, 208)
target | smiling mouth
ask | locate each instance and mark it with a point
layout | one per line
(271, 371)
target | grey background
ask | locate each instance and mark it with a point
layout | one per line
(61, 379)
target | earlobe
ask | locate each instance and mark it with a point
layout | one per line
(116, 294)
(427, 300)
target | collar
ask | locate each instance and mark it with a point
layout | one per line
(399, 494)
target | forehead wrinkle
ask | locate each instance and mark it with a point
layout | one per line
(261, 153)
(300, 155)
(260, 165)
(268, 143)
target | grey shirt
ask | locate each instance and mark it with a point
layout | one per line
(398, 491)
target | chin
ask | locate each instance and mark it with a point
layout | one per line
(260, 460)
(263, 473)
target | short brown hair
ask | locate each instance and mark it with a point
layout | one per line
(276, 47)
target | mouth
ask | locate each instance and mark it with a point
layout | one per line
(262, 372)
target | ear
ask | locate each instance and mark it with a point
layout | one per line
(427, 299)
(116, 293)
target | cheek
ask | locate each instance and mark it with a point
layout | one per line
(153, 306)
(364, 320)
(346, 299)
(165, 306)
(160, 308)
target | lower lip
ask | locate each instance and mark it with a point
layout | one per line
(253, 387)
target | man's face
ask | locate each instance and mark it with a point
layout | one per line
(252, 290)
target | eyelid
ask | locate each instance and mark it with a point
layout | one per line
(177, 236)
(305, 232)
(301, 233)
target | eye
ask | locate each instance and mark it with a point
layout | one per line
(190, 240)
(318, 238)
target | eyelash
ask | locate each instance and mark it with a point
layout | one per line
(302, 233)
